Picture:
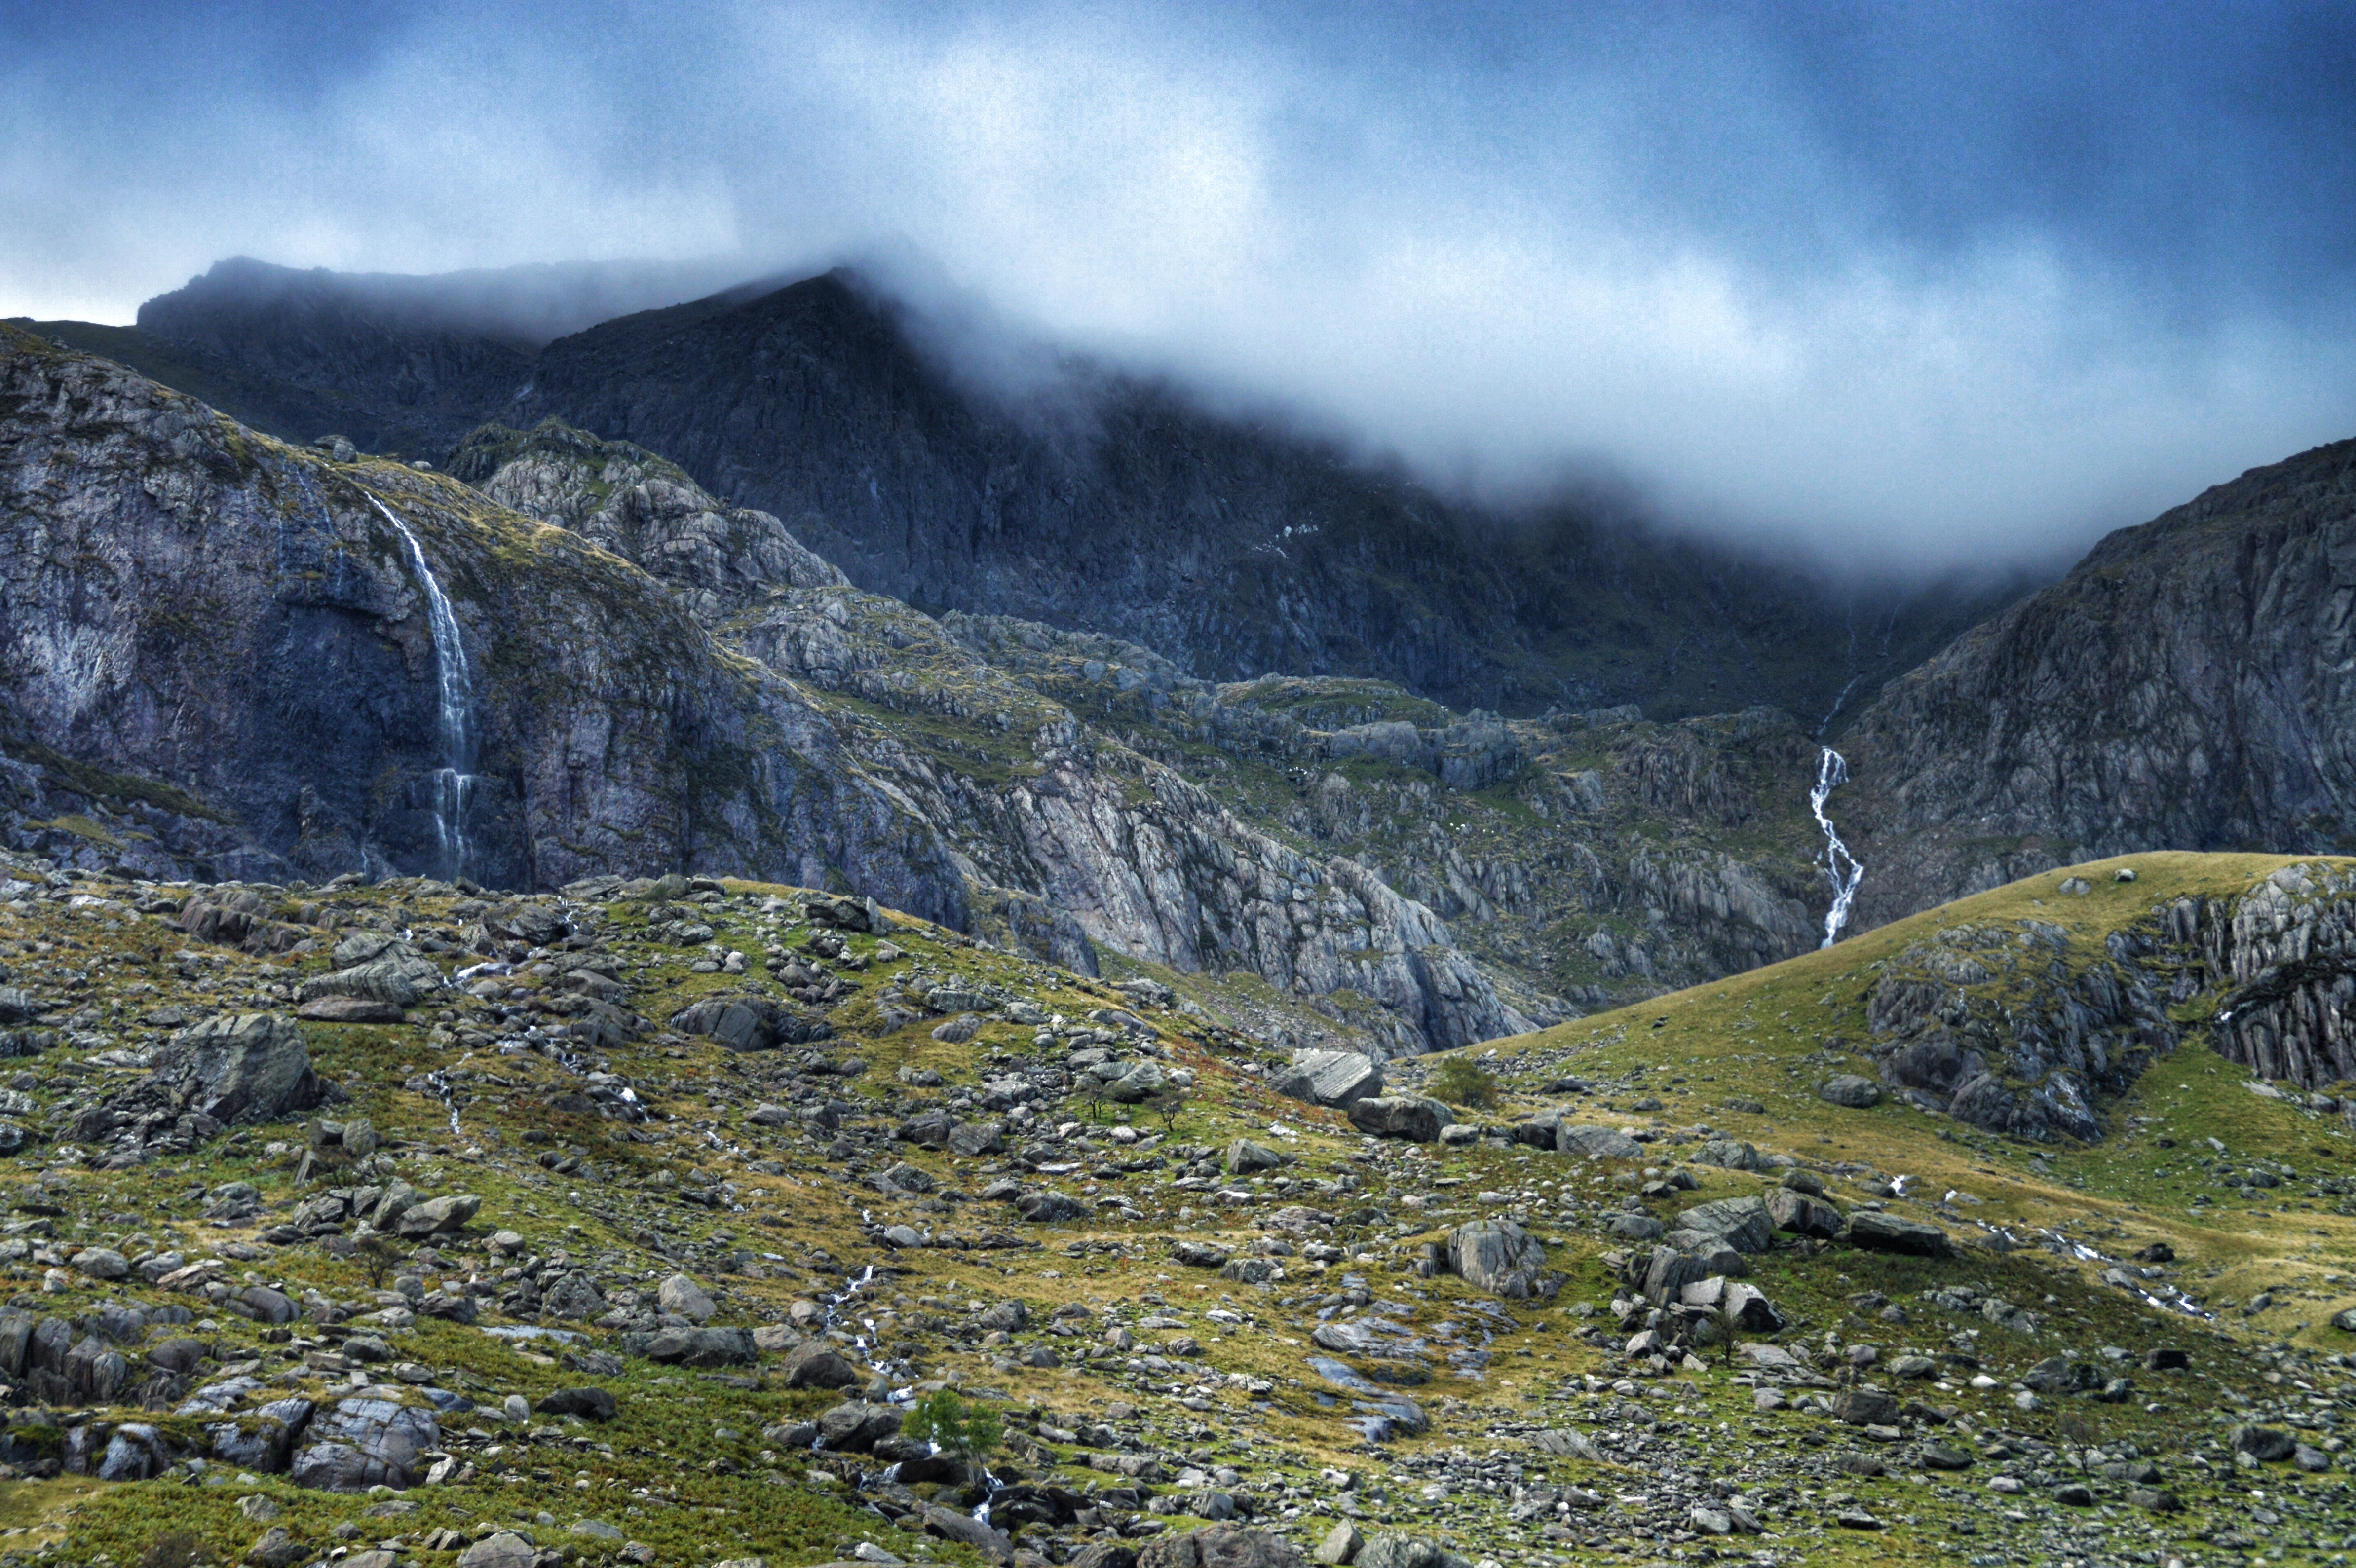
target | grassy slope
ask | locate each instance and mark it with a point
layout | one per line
(684, 1469)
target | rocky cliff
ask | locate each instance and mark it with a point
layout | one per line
(1233, 546)
(2188, 685)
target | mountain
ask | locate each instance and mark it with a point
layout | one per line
(1094, 502)
(2186, 685)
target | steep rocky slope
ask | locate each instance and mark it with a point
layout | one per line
(2186, 685)
(630, 1226)
(1233, 546)
(355, 666)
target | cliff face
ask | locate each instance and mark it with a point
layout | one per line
(1114, 506)
(2190, 685)
(184, 601)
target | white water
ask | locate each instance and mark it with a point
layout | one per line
(1843, 869)
(454, 780)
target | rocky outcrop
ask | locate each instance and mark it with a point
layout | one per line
(2190, 685)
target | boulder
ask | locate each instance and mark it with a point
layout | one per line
(1865, 1407)
(2266, 1444)
(349, 1010)
(952, 1524)
(1879, 1232)
(589, 1403)
(750, 1023)
(817, 1364)
(1849, 1089)
(854, 1427)
(1597, 1143)
(1043, 1207)
(1499, 1257)
(248, 1067)
(366, 1440)
(438, 1215)
(684, 1297)
(1394, 1550)
(396, 977)
(277, 1548)
(1244, 1157)
(1742, 1223)
(1340, 1545)
(1796, 1212)
(1411, 1117)
(1224, 1546)
(1337, 1078)
(501, 1549)
(263, 1440)
(1728, 1154)
(701, 1348)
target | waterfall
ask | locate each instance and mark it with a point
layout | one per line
(1843, 869)
(454, 780)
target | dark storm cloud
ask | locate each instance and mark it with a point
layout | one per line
(1895, 285)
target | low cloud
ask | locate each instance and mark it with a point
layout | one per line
(1893, 289)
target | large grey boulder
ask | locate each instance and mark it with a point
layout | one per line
(700, 1347)
(366, 1440)
(1879, 1233)
(817, 1364)
(436, 1215)
(1600, 1143)
(1849, 1089)
(1338, 1078)
(1411, 1117)
(1744, 1223)
(683, 1296)
(394, 974)
(750, 1023)
(1222, 1546)
(1803, 1215)
(1394, 1550)
(1500, 1257)
(248, 1067)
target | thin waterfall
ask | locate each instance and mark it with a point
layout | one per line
(453, 781)
(1843, 869)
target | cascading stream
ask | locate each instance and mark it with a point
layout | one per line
(1843, 869)
(453, 781)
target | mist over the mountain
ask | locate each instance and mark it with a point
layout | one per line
(1889, 289)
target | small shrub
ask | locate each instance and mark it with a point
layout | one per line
(175, 1549)
(970, 1432)
(1461, 1081)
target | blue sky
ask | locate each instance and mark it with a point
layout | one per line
(1905, 284)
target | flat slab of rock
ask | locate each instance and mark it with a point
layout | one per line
(1599, 1143)
(1879, 1232)
(1337, 1078)
(349, 1010)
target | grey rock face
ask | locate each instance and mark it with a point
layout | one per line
(2100, 716)
(1742, 1223)
(367, 1439)
(1221, 1546)
(1603, 1143)
(248, 1067)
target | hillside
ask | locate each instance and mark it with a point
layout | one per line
(628, 1224)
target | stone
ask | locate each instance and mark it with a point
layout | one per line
(1391, 1549)
(2314, 1461)
(1043, 1207)
(2266, 1444)
(100, 1263)
(248, 1067)
(682, 1297)
(953, 1525)
(1597, 1143)
(1411, 1117)
(589, 1403)
(1341, 1543)
(1728, 1154)
(855, 1427)
(1939, 1456)
(817, 1364)
(1337, 1078)
(1499, 1257)
(2154, 1500)
(1245, 1157)
(1197, 1255)
(349, 1010)
(1229, 1546)
(501, 1549)
(1879, 1232)
(702, 1348)
(1744, 1223)
(1850, 1090)
(365, 1440)
(1865, 1407)
(2345, 1320)
(438, 1215)
(1803, 1215)
(2074, 1494)
(277, 1548)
